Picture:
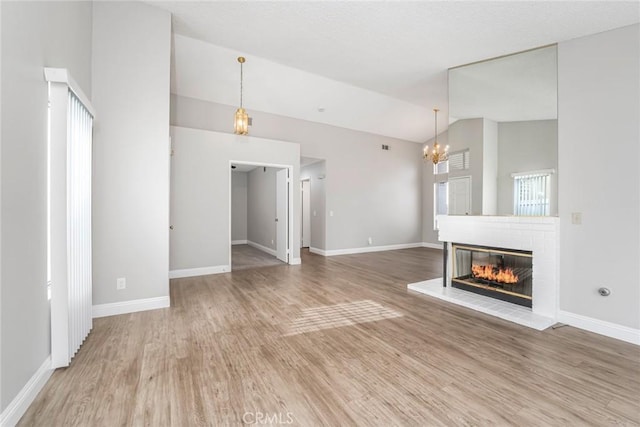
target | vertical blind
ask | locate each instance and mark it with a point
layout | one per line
(79, 141)
(531, 194)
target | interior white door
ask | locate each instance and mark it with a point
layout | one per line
(460, 196)
(282, 211)
(306, 214)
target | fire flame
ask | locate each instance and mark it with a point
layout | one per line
(491, 272)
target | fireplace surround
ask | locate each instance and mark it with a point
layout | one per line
(537, 235)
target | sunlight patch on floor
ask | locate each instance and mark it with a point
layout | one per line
(338, 315)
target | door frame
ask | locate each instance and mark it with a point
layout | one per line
(302, 222)
(290, 215)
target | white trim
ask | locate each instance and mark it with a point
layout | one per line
(317, 251)
(238, 242)
(132, 306)
(364, 249)
(601, 327)
(262, 248)
(19, 405)
(62, 75)
(200, 271)
(296, 261)
(432, 245)
(536, 172)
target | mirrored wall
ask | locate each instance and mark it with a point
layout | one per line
(503, 136)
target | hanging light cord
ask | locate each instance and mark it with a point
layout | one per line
(241, 61)
(436, 137)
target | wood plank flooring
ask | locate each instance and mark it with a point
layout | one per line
(245, 256)
(230, 351)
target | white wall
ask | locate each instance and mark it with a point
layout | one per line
(261, 204)
(200, 192)
(372, 193)
(522, 147)
(463, 134)
(34, 35)
(316, 173)
(598, 100)
(490, 167)
(211, 73)
(131, 67)
(238, 206)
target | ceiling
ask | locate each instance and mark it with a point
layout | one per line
(243, 168)
(399, 49)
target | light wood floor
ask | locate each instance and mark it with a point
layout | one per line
(245, 256)
(336, 341)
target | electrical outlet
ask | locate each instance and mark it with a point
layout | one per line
(370, 241)
(121, 283)
(272, 242)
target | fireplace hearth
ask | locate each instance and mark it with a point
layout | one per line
(505, 274)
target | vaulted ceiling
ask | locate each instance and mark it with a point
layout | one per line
(393, 55)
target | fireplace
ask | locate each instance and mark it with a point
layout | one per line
(505, 274)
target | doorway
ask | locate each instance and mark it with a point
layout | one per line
(460, 196)
(305, 224)
(259, 217)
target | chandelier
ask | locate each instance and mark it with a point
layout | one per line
(437, 154)
(241, 122)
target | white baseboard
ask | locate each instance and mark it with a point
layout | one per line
(200, 271)
(432, 245)
(19, 405)
(333, 252)
(295, 261)
(238, 242)
(262, 248)
(133, 306)
(601, 327)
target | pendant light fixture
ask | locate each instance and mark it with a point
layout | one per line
(241, 122)
(437, 154)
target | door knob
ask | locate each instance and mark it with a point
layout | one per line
(171, 227)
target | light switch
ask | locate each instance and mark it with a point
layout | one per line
(330, 213)
(576, 218)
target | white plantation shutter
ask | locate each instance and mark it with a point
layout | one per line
(459, 160)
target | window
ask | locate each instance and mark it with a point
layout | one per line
(459, 160)
(531, 193)
(442, 167)
(440, 200)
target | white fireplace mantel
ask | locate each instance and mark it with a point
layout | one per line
(539, 235)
